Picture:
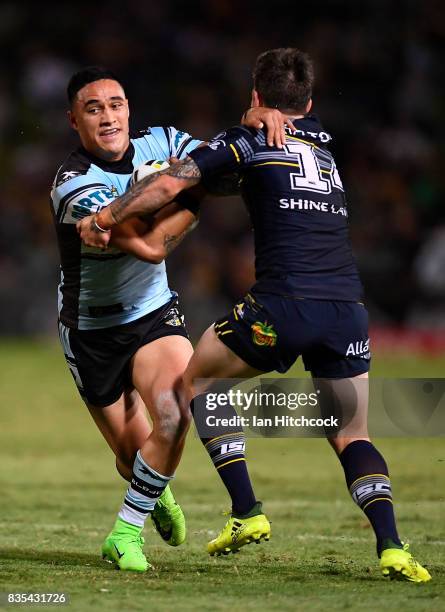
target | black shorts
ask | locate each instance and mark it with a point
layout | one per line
(99, 359)
(269, 332)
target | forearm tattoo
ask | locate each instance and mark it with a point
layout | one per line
(171, 242)
(185, 169)
(143, 198)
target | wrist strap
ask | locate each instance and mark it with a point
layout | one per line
(99, 228)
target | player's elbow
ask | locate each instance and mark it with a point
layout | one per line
(153, 256)
(158, 257)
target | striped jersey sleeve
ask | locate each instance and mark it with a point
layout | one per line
(79, 197)
(175, 143)
(230, 151)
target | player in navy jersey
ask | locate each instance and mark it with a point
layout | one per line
(307, 299)
(120, 324)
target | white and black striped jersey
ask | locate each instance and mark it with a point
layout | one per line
(105, 288)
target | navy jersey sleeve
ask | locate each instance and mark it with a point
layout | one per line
(230, 151)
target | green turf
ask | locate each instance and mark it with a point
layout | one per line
(60, 493)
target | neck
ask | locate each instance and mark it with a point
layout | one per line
(291, 113)
(112, 157)
(107, 156)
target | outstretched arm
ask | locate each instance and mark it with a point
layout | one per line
(144, 197)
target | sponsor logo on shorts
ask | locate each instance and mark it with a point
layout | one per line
(359, 349)
(263, 334)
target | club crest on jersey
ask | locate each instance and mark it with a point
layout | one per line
(114, 191)
(263, 334)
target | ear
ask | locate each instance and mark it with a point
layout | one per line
(255, 100)
(308, 106)
(72, 120)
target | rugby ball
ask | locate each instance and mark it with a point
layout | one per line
(148, 167)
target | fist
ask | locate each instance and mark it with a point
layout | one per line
(91, 234)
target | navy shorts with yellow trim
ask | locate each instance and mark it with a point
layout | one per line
(269, 332)
(100, 359)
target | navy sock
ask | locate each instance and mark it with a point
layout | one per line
(368, 482)
(227, 452)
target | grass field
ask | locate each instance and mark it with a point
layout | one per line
(60, 493)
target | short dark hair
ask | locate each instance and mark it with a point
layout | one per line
(284, 78)
(88, 75)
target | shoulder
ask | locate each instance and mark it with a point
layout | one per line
(159, 134)
(75, 165)
(172, 141)
(77, 171)
(239, 133)
(152, 143)
(78, 182)
(229, 151)
(241, 140)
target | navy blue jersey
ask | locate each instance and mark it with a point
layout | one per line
(298, 209)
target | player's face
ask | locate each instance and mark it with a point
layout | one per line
(100, 114)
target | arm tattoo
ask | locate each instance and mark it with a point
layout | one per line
(146, 197)
(171, 242)
(185, 169)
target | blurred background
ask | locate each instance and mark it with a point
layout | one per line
(379, 73)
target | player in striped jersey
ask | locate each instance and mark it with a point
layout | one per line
(120, 324)
(307, 299)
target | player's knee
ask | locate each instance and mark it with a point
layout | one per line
(173, 419)
(169, 430)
